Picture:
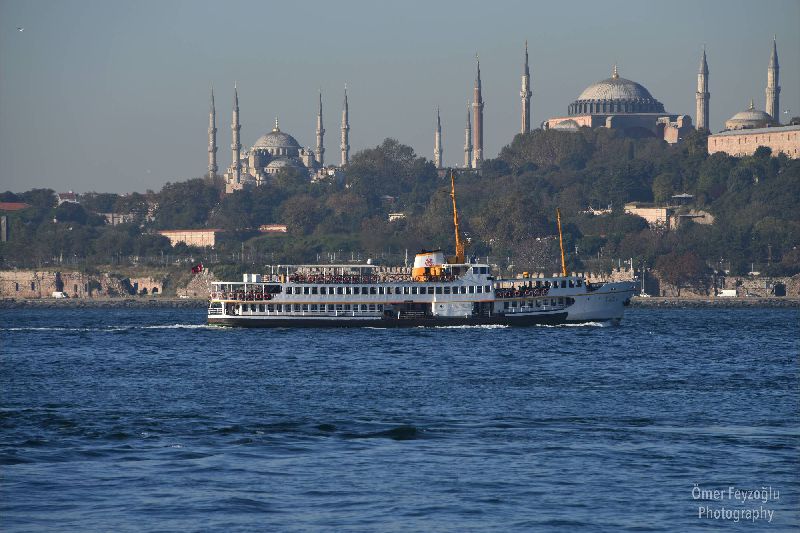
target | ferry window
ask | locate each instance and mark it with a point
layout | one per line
(380, 290)
(270, 308)
(363, 307)
(538, 303)
(346, 307)
(304, 307)
(563, 284)
(252, 308)
(413, 290)
(306, 290)
(438, 290)
(447, 290)
(371, 307)
(314, 290)
(552, 301)
(338, 307)
(571, 283)
(347, 290)
(260, 308)
(322, 290)
(380, 307)
(297, 307)
(288, 290)
(356, 290)
(506, 305)
(487, 289)
(373, 290)
(538, 284)
(313, 307)
(471, 289)
(560, 301)
(330, 307)
(406, 290)
(480, 288)
(339, 290)
(463, 289)
(388, 290)
(513, 304)
(578, 283)
(364, 290)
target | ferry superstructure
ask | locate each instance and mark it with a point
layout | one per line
(435, 292)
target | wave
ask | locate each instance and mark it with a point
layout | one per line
(111, 328)
(581, 325)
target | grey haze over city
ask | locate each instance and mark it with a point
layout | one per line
(114, 96)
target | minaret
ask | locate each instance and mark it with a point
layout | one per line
(526, 94)
(212, 139)
(236, 146)
(468, 141)
(345, 147)
(320, 134)
(437, 141)
(477, 111)
(773, 89)
(702, 96)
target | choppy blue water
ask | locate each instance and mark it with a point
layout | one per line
(131, 420)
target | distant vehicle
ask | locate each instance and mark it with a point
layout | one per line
(727, 293)
(60, 294)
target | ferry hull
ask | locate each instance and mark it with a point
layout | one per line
(336, 322)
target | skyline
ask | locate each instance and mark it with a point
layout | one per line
(133, 114)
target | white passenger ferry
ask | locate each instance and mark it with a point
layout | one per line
(435, 292)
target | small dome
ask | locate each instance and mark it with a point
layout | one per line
(749, 118)
(566, 125)
(280, 163)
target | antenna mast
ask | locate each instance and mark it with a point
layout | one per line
(459, 244)
(561, 243)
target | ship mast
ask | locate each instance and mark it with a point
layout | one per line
(459, 244)
(561, 243)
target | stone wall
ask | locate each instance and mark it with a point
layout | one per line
(42, 284)
(745, 142)
(199, 286)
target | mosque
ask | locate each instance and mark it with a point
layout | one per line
(614, 103)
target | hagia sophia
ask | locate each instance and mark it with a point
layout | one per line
(614, 103)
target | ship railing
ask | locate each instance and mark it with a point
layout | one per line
(215, 311)
(241, 296)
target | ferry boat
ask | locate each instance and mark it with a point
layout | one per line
(435, 292)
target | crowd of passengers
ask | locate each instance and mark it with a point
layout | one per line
(249, 296)
(332, 279)
(521, 292)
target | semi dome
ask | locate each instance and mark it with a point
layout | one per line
(748, 119)
(615, 95)
(280, 163)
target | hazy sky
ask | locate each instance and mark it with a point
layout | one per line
(113, 96)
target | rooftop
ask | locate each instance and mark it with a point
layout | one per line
(775, 129)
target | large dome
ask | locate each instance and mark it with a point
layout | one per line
(276, 139)
(749, 118)
(615, 89)
(615, 95)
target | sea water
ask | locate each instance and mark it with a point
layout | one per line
(137, 420)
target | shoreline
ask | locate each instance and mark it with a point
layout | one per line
(655, 302)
